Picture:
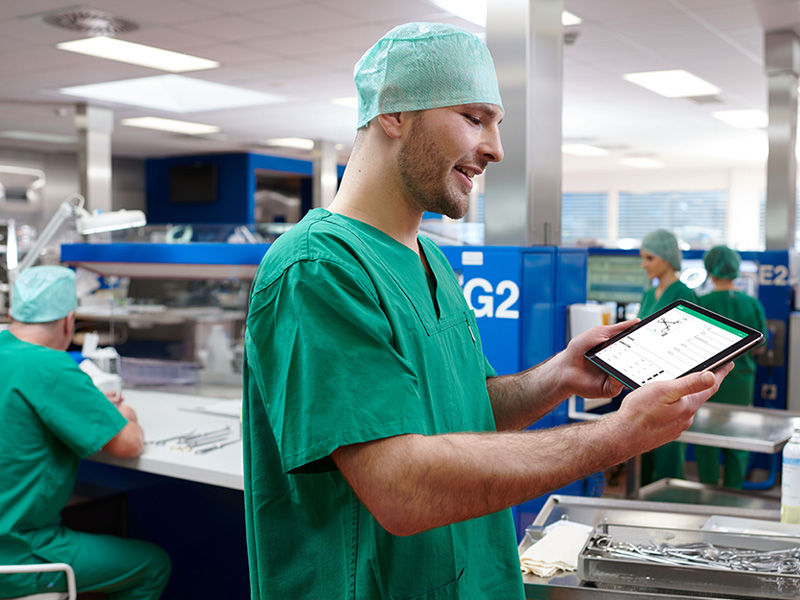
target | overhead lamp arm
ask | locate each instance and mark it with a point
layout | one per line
(86, 224)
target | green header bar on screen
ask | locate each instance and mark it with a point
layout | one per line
(711, 320)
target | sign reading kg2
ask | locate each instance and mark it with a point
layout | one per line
(485, 295)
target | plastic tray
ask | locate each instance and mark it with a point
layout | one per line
(149, 371)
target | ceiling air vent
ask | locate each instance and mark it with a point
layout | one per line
(93, 22)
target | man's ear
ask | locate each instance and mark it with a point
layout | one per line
(69, 324)
(392, 123)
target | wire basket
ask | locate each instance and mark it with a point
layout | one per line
(150, 371)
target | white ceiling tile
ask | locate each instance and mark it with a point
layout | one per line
(227, 29)
(240, 6)
(166, 38)
(20, 8)
(158, 12)
(293, 46)
(397, 12)
(302, 17)
(230, 55)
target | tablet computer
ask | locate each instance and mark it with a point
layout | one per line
(679, 339)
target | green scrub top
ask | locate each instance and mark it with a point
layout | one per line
(676, 291)
(348, 340)
(51, 415)
(737, 387)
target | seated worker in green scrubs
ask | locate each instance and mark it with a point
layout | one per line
(722, 265)
(661, 260)
(381, 450)
(51, 416)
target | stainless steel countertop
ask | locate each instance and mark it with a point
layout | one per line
(728, 426)
(627, 512)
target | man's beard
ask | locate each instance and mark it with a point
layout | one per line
(425, 176)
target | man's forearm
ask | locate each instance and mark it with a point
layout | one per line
(523, 398)
(413, 483)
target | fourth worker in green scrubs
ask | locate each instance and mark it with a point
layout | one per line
(52, 415)
(722, 265)
(661, 260)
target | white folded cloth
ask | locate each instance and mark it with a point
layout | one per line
(558, 550)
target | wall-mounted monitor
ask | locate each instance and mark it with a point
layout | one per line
(615, 278)
(193, 183)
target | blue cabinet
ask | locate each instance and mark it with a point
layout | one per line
(520, 297)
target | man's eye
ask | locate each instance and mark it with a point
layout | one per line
(473, 120)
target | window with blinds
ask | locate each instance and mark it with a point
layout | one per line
(584, 218)
(696, 217)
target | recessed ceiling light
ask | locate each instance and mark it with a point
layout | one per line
(675, 83)
(174, 93)
(640, 162)
(583, 150)
(746, 119)
(291, 142)
(138, 54)
(474, 11)
(173, 125)
(35, 136)
(348, 102)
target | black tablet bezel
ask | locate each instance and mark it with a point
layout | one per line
(751, 340)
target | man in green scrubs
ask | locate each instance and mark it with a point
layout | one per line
(381, 451)
(722, 265)
(52, 416)
(661, 260)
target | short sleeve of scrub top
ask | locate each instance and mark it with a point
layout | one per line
(86, 422)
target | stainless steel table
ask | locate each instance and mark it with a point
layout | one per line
(593, 511)
(724, 426)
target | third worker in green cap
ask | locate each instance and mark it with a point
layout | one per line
(722, 266)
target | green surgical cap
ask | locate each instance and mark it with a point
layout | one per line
(43, 294)
(722, 262)
(417, 66)
(664, 244)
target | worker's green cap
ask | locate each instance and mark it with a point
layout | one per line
(722, 262)
(664, 244)
(417, 66)
(43, 294)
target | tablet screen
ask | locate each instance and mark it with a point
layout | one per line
(680, 339)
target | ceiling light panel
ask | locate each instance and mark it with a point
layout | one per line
(675, 83)
(173, 93)
(36, 136)
(474, 11)
(138, 54)
(291, 142)
(172, 125)
(641, 162)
